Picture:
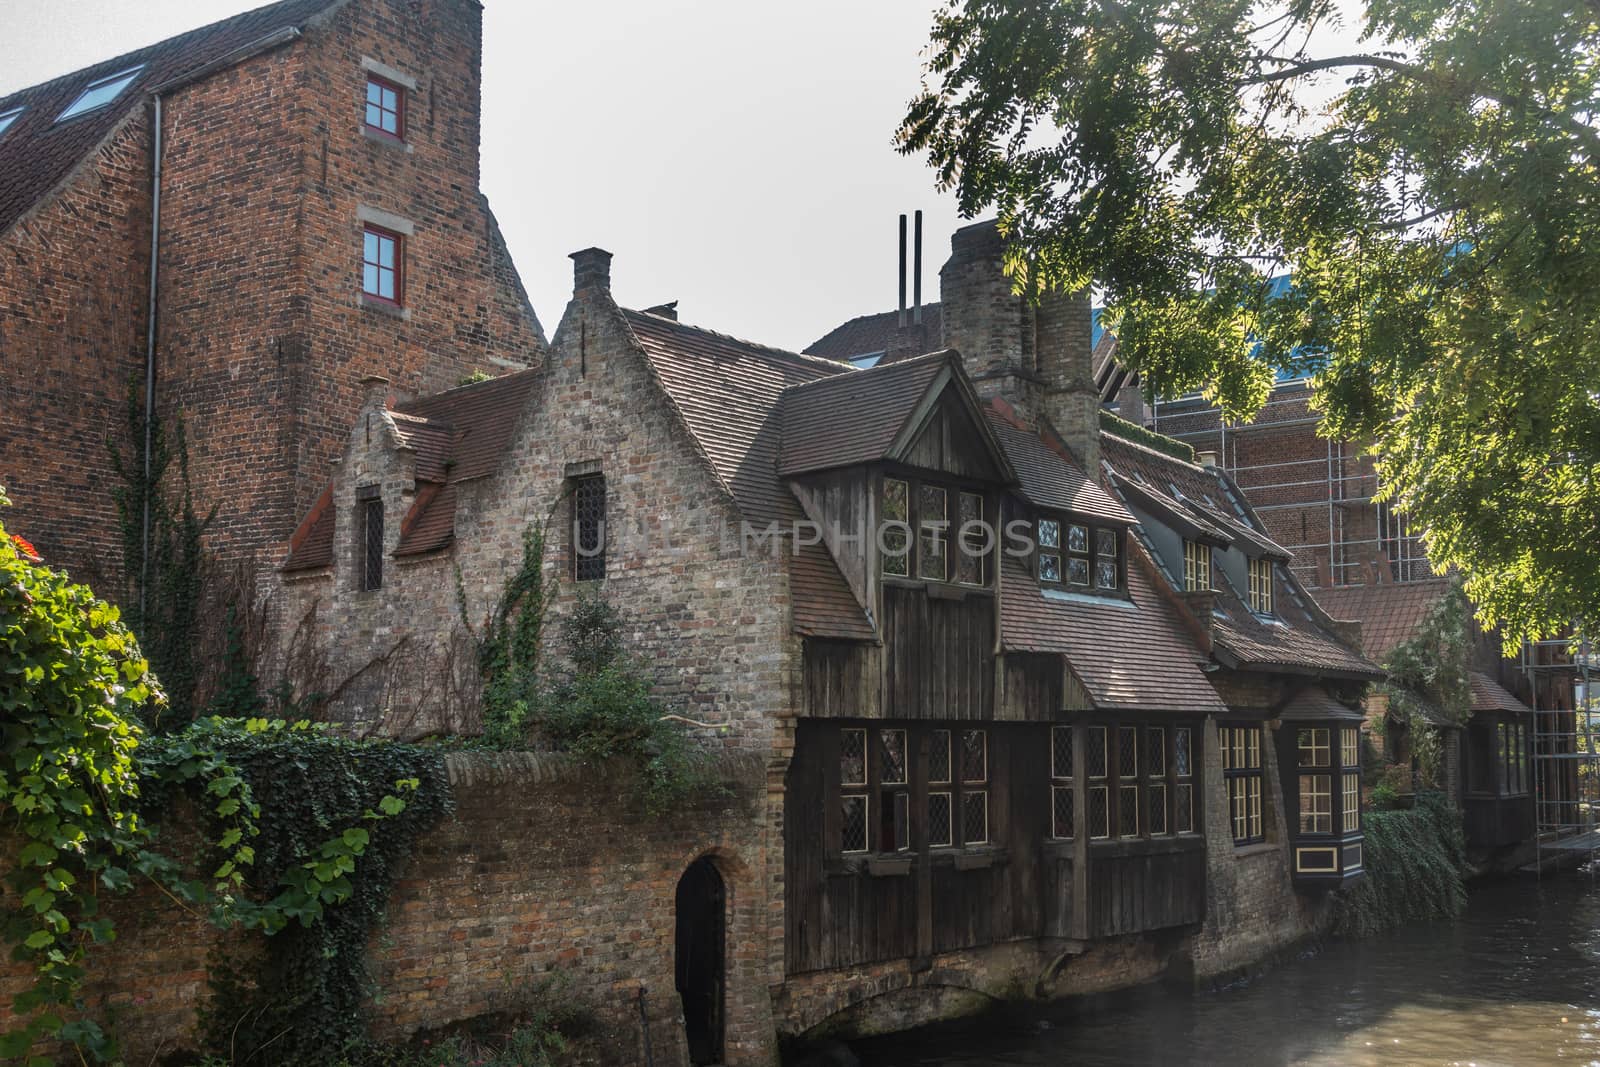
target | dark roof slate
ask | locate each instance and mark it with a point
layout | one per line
(1490, 695)
(852, 418)
(37, 154)
(311, 545)
(868, 335)
(1050, 477)
(1131, 655)
(482, 418)
(1389, 612)
(1294, 640)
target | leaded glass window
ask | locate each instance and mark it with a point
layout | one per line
(371, 569)
(933, 520)
(589, 528)
(896, 537)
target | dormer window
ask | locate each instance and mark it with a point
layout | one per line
(1261, 586)
(99, 93)
(951, 542)
(1196, 566)
(1075, 555)
(8, 117)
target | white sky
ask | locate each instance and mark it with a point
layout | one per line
(734, 154)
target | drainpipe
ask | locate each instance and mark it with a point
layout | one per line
(150, 358)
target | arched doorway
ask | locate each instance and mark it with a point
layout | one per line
(701, 958)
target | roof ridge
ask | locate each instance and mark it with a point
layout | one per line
(801, 358)
(454, 390)
(857, 372)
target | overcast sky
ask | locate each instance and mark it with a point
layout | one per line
(734, 154)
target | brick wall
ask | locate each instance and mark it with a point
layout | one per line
(548, 869)
(72, 335)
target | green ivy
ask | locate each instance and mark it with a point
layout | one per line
(1415, 864)
(1120, 427)
(1429, 671)
(72, 680)
(510, 643)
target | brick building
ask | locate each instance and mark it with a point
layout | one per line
(1111, 747)
(247, 219)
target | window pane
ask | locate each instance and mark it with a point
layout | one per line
(1061, 824)
(1061, 751)
(1049, 567)
(1349, 747)
(1312, 744)
(1316, 811)
(369, 278)
(374, 93)
(1105, 575)
(970, 558)
(1158, 808)
(385, 251)
(896, 537)
(1077, 571)
(1127, 751)
(1128, 811)
(939, 757)
(1252, 747)
(1105, 543)
(894, 835)
(1099, 812)
(386, 283)
(939, 820)
(369, 247)
(975, 817)
(1254, 790)
(1180, 751)
(1049, 533)
(391, 102)
(589, 531)
(1183, 818)
(1352, 803)
(1095, 766)
(1078, 539)
(853, 824)
(853, 757)
(372, 563)
(1155, 751)
(374, 115)
(974, 756)
(892, 768)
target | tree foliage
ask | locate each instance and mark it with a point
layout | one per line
(1428, 676)
(1434, 187)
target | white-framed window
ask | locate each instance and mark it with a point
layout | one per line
(974, 758)
(1351, 801)
(1062, 801)
(894, 791)
(7, 117)
(1196, 566)
(1241, 772)
(1261, 586)
(100, 92)
(1097, 769)
(1316, 803)
(1312, 744)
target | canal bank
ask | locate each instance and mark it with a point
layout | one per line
(1515, 980)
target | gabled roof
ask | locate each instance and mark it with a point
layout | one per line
(1389, 612)
(1294, 641)
(457, 436)
(872, 415)
(1490, 695)
(1315, 702)
(729, 395)
(868, 335)
(1050, 478)
(1127, 654)
(37, 154)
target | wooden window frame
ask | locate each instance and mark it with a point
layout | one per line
(1196, 566)
(1152, 787)
(950, 536)
(398, 270)
(1090, 556)
(398, 134)
(878, 795)
(1244, 785)
(1261, 590)
(1063, 801)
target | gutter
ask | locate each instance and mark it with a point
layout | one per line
(272, 40)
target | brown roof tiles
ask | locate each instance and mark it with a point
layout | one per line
(855, 417)
(1490, 695)
(868, 335)
(1389, 612)
(1050, 477)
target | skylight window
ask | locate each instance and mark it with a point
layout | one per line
(8, 117)
(100, 93)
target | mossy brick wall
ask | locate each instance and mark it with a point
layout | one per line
(547, 869)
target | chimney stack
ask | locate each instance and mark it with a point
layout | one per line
(1130, 401)
(591, 269)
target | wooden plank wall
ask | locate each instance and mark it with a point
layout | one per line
(938, 655)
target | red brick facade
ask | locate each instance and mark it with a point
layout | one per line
(263, 336)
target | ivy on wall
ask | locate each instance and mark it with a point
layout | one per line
(1416, 864)
(1428, 675)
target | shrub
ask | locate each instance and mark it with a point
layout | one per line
(1415, 862)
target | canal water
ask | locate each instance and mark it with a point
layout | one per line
(1516, 981)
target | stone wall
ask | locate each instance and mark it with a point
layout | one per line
(548, 870)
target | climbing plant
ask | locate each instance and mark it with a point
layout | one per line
(1415, 862)
(163, 593)
(72, 680)
(1429, 672)
(509, 642)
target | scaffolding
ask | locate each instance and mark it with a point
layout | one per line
(1566, 750)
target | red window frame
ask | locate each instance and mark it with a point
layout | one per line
(399, 112)
(398, 269)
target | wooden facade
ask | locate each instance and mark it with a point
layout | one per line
(1497, 788)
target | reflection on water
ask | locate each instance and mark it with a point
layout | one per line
(1515, 981)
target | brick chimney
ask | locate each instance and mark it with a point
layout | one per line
(985, 321)
(591, 269)
(1034, 355)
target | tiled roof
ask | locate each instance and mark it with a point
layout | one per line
(1490, 695)
(870, 334)
(729, 393)
(37, 154)
(457, 436)
(848, 419)
(1050, 477)
(1389, 612)
(1315, 702)
(1131, 655)
(1295, 640)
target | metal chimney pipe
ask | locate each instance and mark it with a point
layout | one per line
(916, 272)
(902, 320)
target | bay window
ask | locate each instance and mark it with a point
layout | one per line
(934, 532)
(1241, 772)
